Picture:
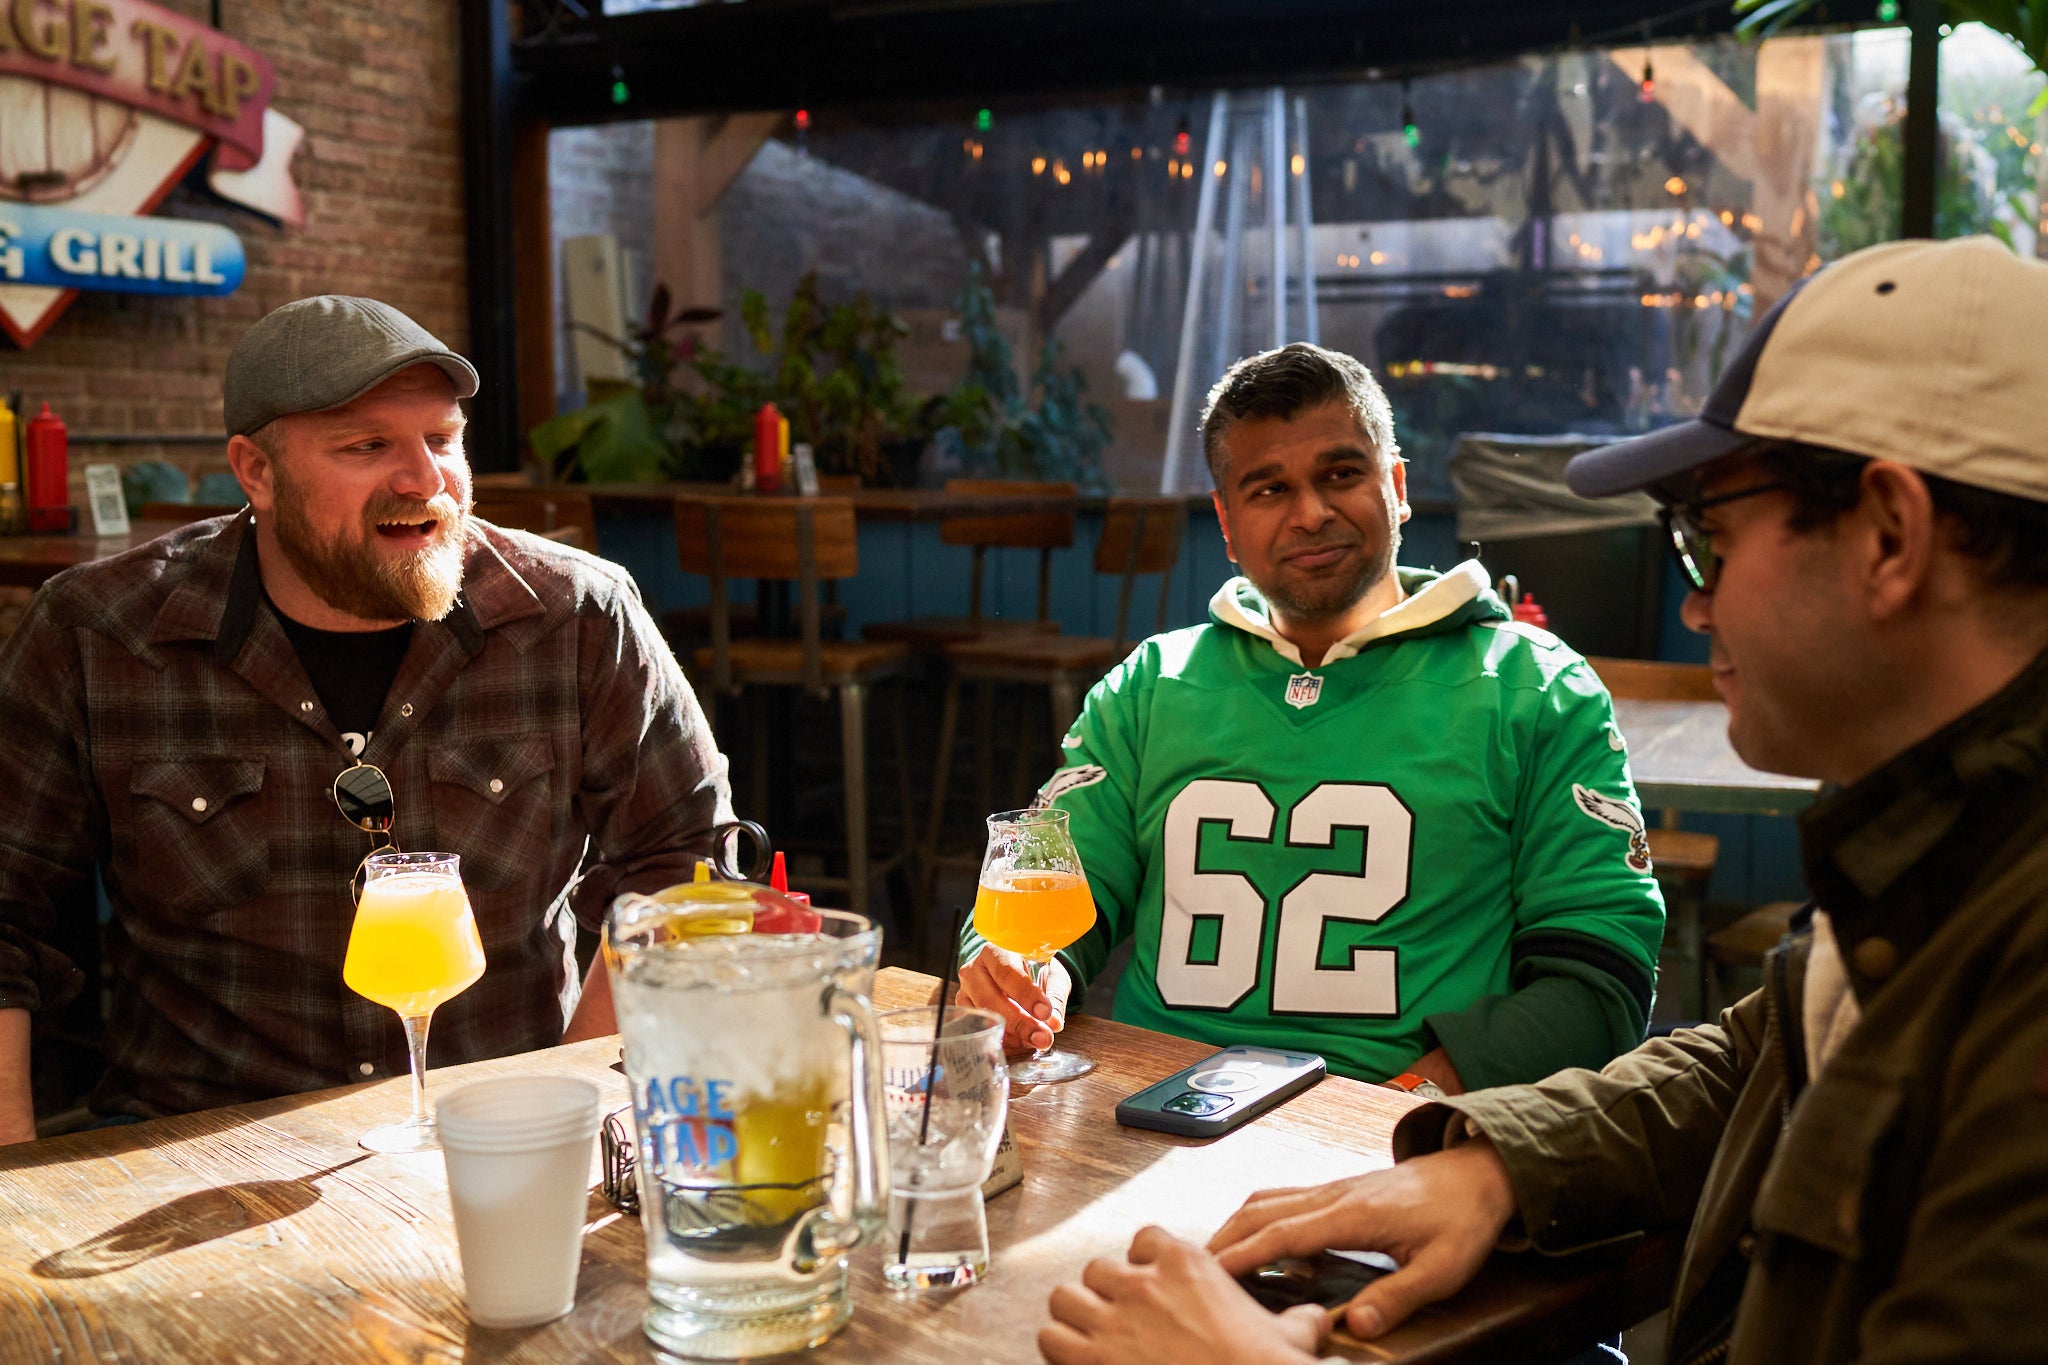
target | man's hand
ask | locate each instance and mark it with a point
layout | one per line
(1171, 1304)
(996, 981)
(1438, 1215)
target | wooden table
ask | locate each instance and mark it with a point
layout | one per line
(261, 1232)
(29, 561)
(1681, 758)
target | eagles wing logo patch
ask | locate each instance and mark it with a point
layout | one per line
(1304, 690)
(1067, 780)
(1620, 815)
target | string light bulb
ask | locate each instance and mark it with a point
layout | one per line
(803, 120)
(620, 94)
(1410, 134)
(983, 120)
(1181, 139)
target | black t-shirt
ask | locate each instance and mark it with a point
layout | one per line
(351, 671)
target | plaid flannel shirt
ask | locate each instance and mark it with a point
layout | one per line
(156, 725)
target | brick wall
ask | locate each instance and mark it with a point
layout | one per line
(375, 84)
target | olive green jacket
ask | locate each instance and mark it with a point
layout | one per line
(1893, 1208)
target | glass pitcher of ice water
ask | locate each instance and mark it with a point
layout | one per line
(757, 1097)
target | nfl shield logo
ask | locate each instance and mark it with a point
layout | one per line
(1303, 690)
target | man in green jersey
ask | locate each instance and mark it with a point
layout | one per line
(1362, 812)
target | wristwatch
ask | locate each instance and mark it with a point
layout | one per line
(1418, 1085)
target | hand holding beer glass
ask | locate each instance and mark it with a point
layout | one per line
(1033, 900)
(413, 945)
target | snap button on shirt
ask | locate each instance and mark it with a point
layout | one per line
(199, 804)
(497, 785)
(1876, 958)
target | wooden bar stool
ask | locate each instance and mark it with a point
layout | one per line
(802, 541)
(1139, 536)
(1040, 531)
(1684, 859)
(560, 514)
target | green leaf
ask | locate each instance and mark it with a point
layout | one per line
(614, 440)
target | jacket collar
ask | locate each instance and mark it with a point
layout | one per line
(1890, 855)
(1429, 600)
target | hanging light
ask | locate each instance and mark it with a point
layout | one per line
(1181, 140)
(1410, 134)
(983, 120)
(620, 94)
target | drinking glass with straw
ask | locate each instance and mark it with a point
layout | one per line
(946, 1090)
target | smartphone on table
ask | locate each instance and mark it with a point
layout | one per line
(1328, 1279)
(1221, 1092)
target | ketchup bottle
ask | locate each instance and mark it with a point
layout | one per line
(768, 449)
(49, 473)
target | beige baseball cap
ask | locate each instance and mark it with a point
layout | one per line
(322, 352)
(1932, 354)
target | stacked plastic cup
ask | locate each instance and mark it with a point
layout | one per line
(519, 1160)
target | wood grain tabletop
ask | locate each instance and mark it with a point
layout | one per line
(261, 1232)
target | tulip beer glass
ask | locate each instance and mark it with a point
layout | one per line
(756, 1084)
(1034, 900)
(413, 946)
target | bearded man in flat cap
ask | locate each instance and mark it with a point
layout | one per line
(219, 726)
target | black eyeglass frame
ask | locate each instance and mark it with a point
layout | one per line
(1690, 543)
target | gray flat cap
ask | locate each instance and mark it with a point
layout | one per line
(322, 352)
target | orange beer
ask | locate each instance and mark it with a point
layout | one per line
(1033, 913)
(414, 943)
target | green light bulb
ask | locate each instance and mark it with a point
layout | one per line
(983, 121)
(619, 92)
(1413, 135)
(1887, 11)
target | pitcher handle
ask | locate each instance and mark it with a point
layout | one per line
(867, 1129)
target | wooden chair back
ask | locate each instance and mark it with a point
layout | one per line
(1651, 680)
(539, 510)
(1141, 536)
(801, 540)
(1040, 531)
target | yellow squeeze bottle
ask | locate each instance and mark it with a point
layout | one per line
(10, 448)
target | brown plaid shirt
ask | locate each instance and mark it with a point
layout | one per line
(155, 724)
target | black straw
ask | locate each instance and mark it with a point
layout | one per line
(924, 1120)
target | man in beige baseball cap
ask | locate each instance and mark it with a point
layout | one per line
(1857, 1153)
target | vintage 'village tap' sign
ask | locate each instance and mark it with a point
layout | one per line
(104, 106)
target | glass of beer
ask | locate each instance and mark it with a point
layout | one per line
(414, 945)
(1033, 900)
(755, 1071)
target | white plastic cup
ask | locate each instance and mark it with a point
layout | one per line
(519, 1153)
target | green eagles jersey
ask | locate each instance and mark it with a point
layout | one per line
(1321, 858)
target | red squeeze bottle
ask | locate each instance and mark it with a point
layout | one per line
(775, 918)
(768, 449)
(1530, 611)
(49, 473)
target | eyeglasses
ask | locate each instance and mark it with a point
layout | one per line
(363, 796)
(1690, 541)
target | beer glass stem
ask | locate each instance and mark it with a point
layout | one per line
(1041, 968)
(416, 1044)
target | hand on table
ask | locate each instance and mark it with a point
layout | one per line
(1169, 1304)
(1438, 1215)
(999, 982)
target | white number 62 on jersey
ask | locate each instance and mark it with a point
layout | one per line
(1301, 985)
